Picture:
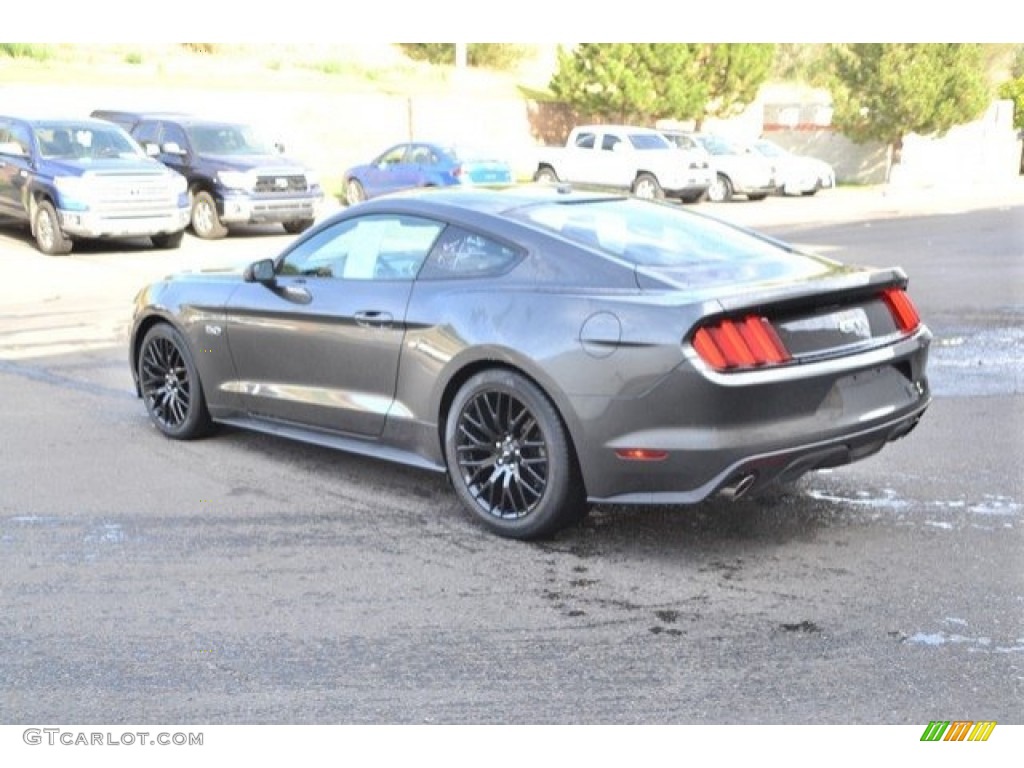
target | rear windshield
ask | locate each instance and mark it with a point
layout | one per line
(664, 237)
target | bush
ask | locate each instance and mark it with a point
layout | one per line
(25, 51)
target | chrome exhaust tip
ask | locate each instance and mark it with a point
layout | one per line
(738, 487)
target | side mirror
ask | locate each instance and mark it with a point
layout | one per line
(152, 150)
(261, 271)
(173, 148)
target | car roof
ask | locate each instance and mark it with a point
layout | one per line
(37, 119)
(491, 200)
(617, 127)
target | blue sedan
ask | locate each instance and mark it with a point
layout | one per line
(422, 164)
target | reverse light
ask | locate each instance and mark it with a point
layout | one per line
(902, 309)
(750, 342)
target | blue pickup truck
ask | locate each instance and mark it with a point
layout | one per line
(235, 176)
(79, 178)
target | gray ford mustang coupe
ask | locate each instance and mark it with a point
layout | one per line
(548, 349)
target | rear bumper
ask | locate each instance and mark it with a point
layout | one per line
(710, 431)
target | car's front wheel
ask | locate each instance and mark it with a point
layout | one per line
(510, 457)
(168, 240)
(546, 175)
(647, 187)
(206, 221)
(49, 236)
(170, 385)
(298, 226)
(720, 190)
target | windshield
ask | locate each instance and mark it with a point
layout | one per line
(84, 141)
(228, 139)
(768, 149)
(716, 145)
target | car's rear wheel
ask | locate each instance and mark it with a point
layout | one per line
(298, 226)
(510, 457)
(170, 385)
(720, 190)
(354, 192)
(49, 236)
(647, 187)
(206, 221)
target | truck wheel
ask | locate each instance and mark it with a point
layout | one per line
(647, 187)
(354, 192)
(720, 190)
(546, 175)
(168, 240)
(295, 227)
(205, 221)
(49, 237)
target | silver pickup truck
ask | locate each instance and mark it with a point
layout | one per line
(640, 160)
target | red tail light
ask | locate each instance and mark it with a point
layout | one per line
(747, 343)
(902, 308)
(457, 171)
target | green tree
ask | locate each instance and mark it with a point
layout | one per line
(487, 55)
(1014, 91)
(642, 82)
(884, 91)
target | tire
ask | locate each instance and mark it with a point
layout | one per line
(720, 190)
(546, 175)
(510, 457)
(168, 241)
(298, 226)
(170, 386)
(354, 192)
(50, 238)
(206, 221)
(646, 187)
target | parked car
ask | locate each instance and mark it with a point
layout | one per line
(628, 158)
(235, 176)
(74, 178)
(795, 174)
(548, 349)
(737, 171)
(424, 164)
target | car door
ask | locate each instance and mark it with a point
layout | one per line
(15, 149)
(320, 344)
(390, 172)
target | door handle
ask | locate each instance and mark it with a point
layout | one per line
(374, 318)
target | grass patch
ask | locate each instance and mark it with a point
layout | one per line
(32, 51)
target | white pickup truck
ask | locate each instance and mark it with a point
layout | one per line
(640, 160)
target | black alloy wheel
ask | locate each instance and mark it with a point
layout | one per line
(510, 457)
(170, 385)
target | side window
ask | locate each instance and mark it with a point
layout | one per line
(147, 133)
(608, 141)
(585, 140)
(393, 156)
(459, 253)
(379, 247)
(15, 140)
(174, 134)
